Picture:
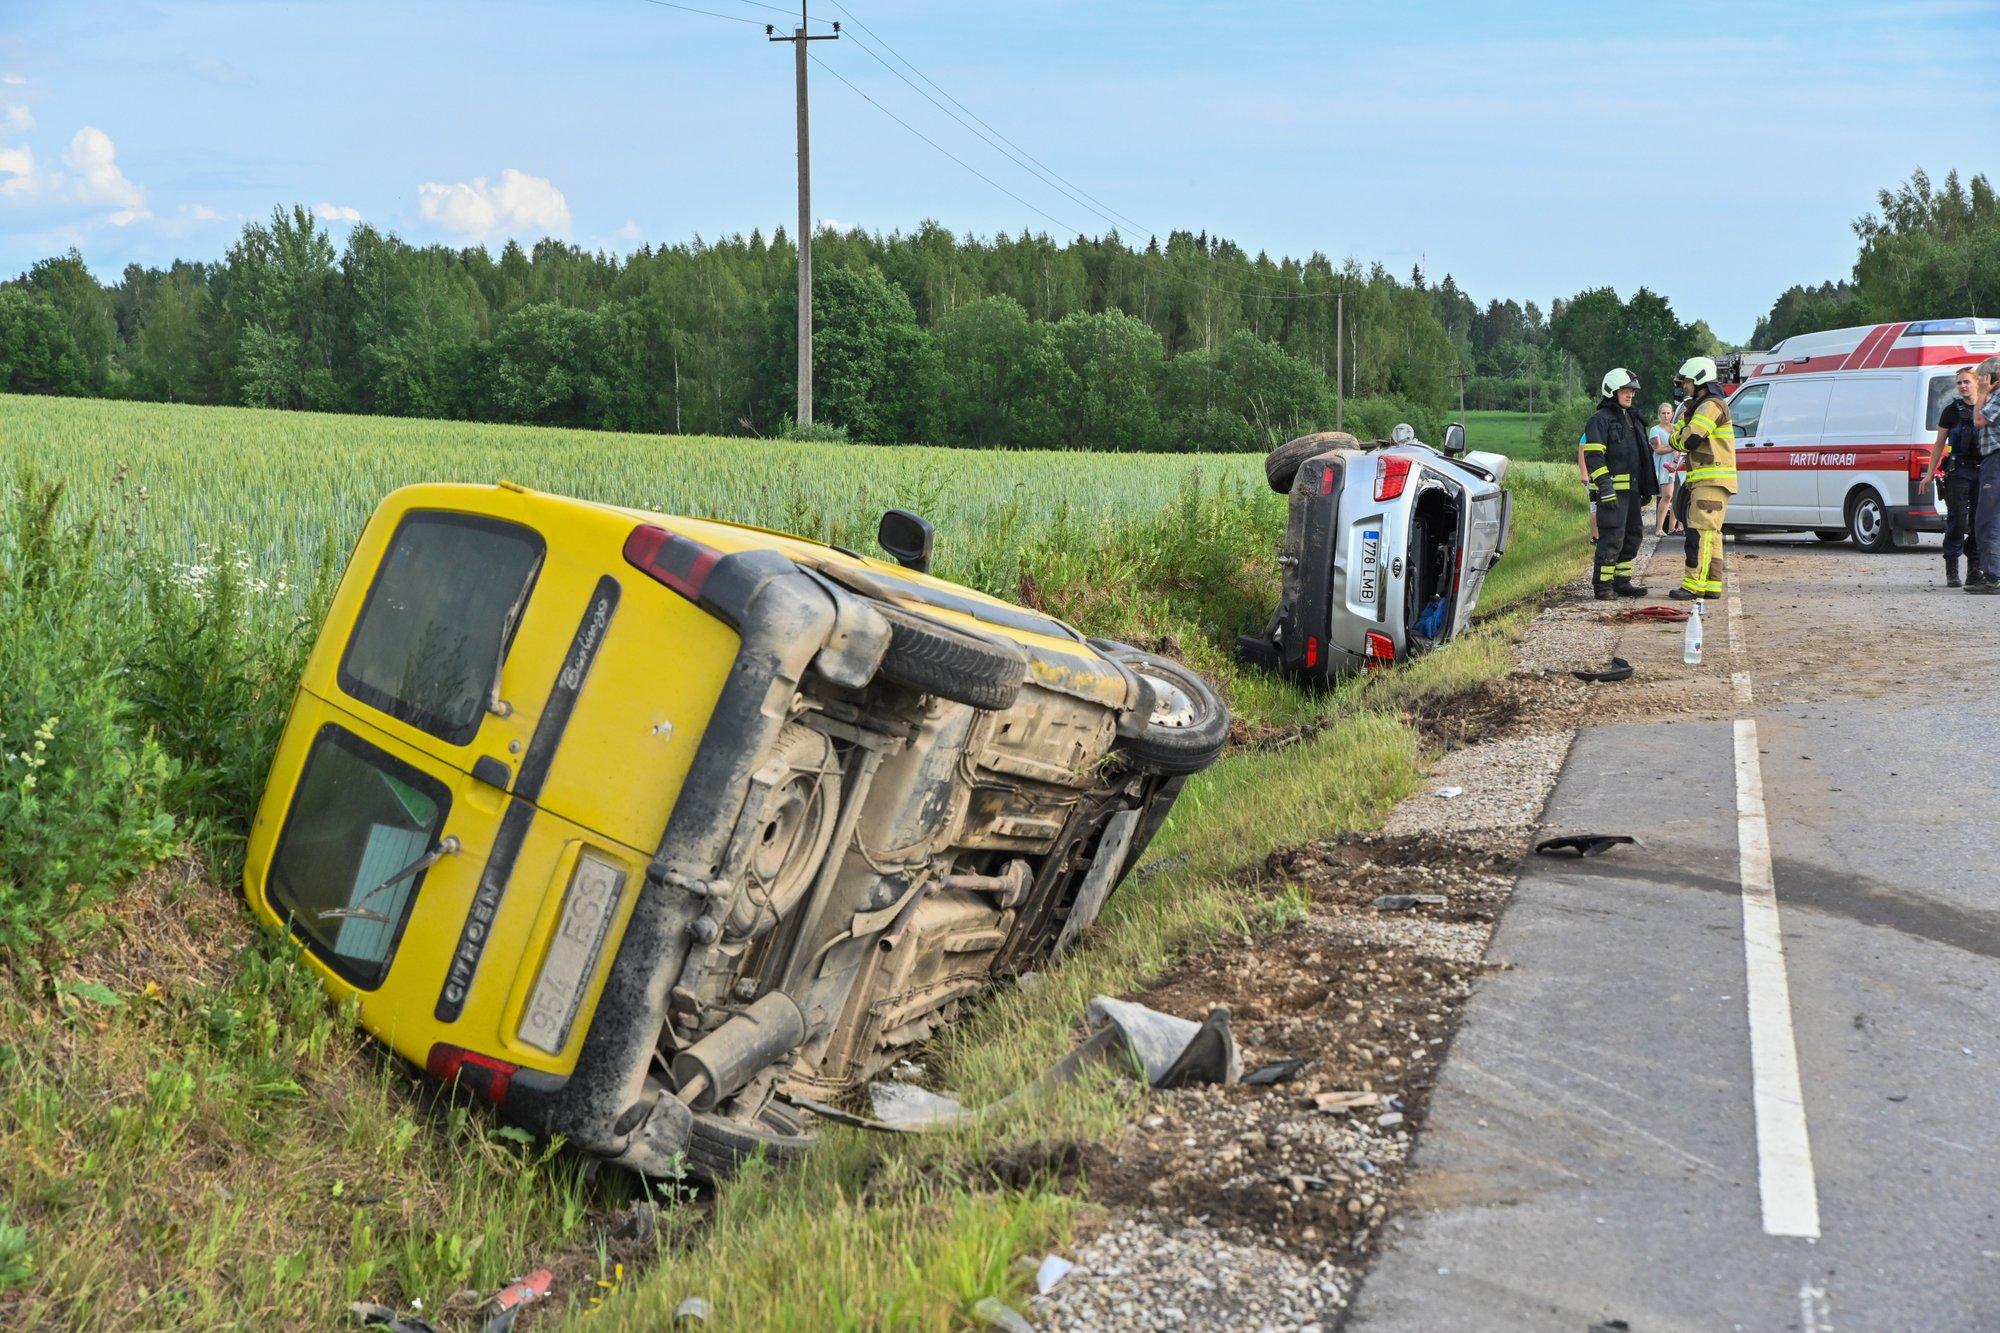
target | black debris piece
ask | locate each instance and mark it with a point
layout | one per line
(1620, 669)
(1583, 844)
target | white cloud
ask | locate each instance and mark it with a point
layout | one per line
(99, 179)
(12, 80)
(519, 203)
(199, 213)
(337, 213)
(17, 172)
(16, 119)
(628, 232)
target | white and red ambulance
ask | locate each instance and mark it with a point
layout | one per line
(1833, 429)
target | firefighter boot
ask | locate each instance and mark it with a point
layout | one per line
(1602, 592)
(1624, 587)
(1951, 579)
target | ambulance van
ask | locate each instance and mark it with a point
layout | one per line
(1833, 429)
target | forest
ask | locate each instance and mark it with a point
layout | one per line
(1011, 342)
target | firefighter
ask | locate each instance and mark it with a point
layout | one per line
(1619, 463)
(1704, 432)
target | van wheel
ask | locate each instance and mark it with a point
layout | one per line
(1830, 534)
(718, 1145)
(1281, 465)
(1186, 724)
(1868, 522)
(934, 658)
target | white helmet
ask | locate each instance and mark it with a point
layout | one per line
(1617, 378)
(1698, 369)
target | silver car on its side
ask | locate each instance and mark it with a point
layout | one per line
(1386, 549)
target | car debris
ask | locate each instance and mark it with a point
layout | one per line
(1386, 549)
(1583, 844)
(1403, 902)
(1620, 669)
(1448, 793)
(1342, 1102)
(1278, 1071)
(631, 824)
(1051, 1271)
(996, 1313)
(370, 1314)
(515, 1297)
(692, 1311)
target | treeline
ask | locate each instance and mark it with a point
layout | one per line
(1931, 252)
(1016, 342)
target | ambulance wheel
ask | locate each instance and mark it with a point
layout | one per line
(1830, 534)
(1868, 522)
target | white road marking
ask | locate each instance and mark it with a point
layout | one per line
(1739, 679)
(1784, 1150)
(1815, 1316)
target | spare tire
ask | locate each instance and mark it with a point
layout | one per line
(1281, 465)
(1186, 722)
(717, 1145)
(932, 657)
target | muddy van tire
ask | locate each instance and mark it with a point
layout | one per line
(1281, 465)
(1187, 725)
(934, 658)
(717, 1146)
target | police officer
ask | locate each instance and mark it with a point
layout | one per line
(1958, 433)
(1704, 431)
(1619, 464)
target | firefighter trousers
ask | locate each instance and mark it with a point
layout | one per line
(1620, 527)
(1705, 508)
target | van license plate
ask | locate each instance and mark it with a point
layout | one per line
(1371, 565)
(591, 901)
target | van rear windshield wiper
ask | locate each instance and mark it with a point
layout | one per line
(358, 912)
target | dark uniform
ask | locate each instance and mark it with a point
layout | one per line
(1705, 432)
(1619, 456)
(1959, 477)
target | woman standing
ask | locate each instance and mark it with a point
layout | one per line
(1665, 466)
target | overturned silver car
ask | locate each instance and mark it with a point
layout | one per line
(1386, 549)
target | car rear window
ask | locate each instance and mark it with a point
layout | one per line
(358, 817)
(428, 644)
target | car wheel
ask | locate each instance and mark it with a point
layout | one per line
(1830, 534)
(1186, 725)
(934, 658)
(1868, 522)
(1281, 465)
(717, 1145)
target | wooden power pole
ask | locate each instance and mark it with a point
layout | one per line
(798, 39)
(1339, 363)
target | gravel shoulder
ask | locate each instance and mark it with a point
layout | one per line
(1259, 1207)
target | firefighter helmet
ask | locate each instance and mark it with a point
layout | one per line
(1618, 378)
(1697, 370)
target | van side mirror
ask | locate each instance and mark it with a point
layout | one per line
(907, 538)
(1454, 440)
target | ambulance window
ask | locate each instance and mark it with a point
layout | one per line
(1795, 412)
(1942, 390)
(1746, 407)
(1869, 409)
(440, 616)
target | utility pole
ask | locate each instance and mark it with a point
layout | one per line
(1461, 395)
(1339, 362)
(798, 39)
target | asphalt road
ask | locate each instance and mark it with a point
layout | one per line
(1593, 1150)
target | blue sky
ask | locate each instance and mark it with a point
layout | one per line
(1532, 150)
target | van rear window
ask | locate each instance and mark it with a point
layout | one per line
(360, 818)
(437, 622)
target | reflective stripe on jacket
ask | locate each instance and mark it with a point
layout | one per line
(1707, 435)
(1615, 445)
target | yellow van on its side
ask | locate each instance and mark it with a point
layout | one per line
(636, 823)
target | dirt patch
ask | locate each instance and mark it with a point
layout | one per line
(1520, 704)
(1367, 997)
(172, 928)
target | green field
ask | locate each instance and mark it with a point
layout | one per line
(191, 1137)
(1505, 432)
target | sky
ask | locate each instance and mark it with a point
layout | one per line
(1714, 153)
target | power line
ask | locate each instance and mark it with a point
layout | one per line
(690, 9)
(942, 149)
(975, 115)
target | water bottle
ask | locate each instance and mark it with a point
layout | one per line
(1691, 641)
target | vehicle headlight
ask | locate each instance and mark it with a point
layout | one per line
(589, 903)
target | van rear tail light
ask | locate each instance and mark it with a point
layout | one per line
(1326, 481)
(1312, 650)
(1395, 475)
(1381, 651)
(679, 562)
(482, 1073)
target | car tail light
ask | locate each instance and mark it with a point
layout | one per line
(679, 562)
(1312, 650)
(1326, 481)
(1394, 475)
(1381, 652)
(482, 1073)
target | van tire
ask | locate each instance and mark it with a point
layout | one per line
(1830, 535)
(1281, 465)
(930, 657)
(717, 1145)
(1868, 521)
(1187, 724)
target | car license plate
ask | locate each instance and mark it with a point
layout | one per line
(588, 907)
(1371, 565)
